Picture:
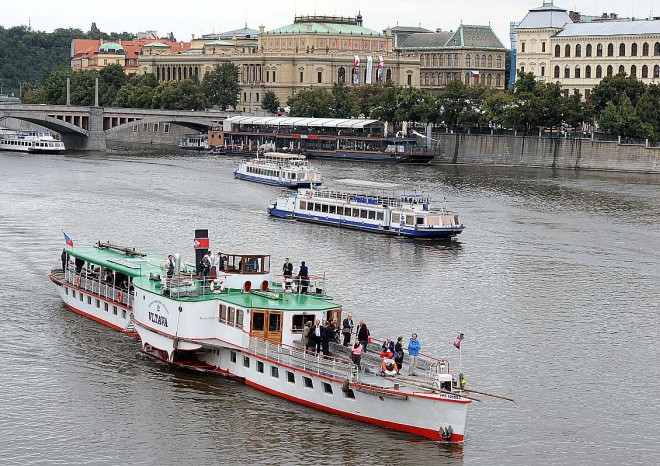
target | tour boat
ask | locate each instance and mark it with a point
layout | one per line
(369, 206)
(289, 170)
(194, 142)
(31, 141)
(354, 139)
(239, 323)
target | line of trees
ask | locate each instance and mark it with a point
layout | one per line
(116, 89)
(619, 105)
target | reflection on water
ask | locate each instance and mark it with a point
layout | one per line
(555, 283)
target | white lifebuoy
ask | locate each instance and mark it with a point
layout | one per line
(389, 367)
(221, 286)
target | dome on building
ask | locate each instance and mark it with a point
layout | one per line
(111, 47)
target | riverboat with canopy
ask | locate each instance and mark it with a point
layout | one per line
(276, 168)
(354, 139)
(240, 322)
(369, 206)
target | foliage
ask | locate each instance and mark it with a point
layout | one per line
(221, 87)
(612, 89)
(313, 103)
(384, 104)
(179, 95)
(270, 102)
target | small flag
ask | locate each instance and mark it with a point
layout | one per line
(457, 341)
(474, 74)
(67, 239)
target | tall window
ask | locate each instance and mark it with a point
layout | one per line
(567, 50)
(499, 61)
(622, 69)
(301, 76)
(490, 61)
(467, 61)
(633, 71)
(341, 75)
(578, 50)
(633, 50)
(656, 72)
(522, 45)
(557, 51)
(656, 49)
(577, 71)
(543, 47)
(587, 71)
(556, 72)
(274, 76)
(498, 80)
(319, 77)
(599, 50)
(599, 72)
(567, 72)
(542, 70)
(610, 70)
(622, 50)
(645, 71)
(645, 49)
(610, 50)
(588, 51)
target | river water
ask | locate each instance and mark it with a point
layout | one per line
(555, 283)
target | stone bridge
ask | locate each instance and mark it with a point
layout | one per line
(85, 128)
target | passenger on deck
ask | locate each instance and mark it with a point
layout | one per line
(108, 276)
(387, 349)
(328, 336)
(307, 329)
(398, 353)
(287, 268)
(303, 277)
(169, 265)
(318, 337)
(65, 259)
(218, 262)
(413, 351)
(205, 268)
(356, 354)
(363, 335)
(347, 329)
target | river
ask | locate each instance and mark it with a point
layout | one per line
(555, 283)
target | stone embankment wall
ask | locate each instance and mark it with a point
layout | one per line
(528, 151)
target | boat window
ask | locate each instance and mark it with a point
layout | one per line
(66, 291)
(231, 315)
(332, 209)
(372, 214)
(308, 382)
(363, 213)
(327, 388)
(239, 318)
(410, 219)
(356, 213)
(258, 322)
(433, 220)
(298, 322)
(106, 307)
(290, 377)
(223, 313)
(260, 366)
(419, 221)
(275, 322)
(340, 210)
(246, 361)
(324, 208)
(232, 356)
(89, 300)
(317, 207)
(303, 205)
(274, 372)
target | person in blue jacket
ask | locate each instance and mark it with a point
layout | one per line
(413, 351)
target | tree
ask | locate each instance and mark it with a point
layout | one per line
(111, 79)
(413, 104)
(648, 108)
(384, 104)
(221, 87)
(497, 106)
(622, 120)
(270, 102)
(94, 32)
(314, 103)
(179, 95)
(574, 110)
(170, 36)
(364, 97)
(612, 88)
(55, 86)
(343, 103)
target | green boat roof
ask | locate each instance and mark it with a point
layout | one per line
(128, 264)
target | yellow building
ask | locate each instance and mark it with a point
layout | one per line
(313, 51)
(579, 55)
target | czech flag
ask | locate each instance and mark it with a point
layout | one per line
(457, 342)
(67, 239)
(474, 74)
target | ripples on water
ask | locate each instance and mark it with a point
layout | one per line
(555, 283)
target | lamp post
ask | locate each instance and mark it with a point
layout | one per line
(251, 89)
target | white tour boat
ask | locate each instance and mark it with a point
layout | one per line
(237, 322)
(280, 169)
(369, 206)
(30, 141)
(194, 142)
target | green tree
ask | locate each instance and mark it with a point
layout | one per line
(111, 79)
(270, 102)
(648, 108)
(384, 104)
(344, 104)
(413, 105)
(83, 87)
(612, 89)
(574, 110)
(314, 103)
(622, 120)
(55, 86)
(365, 96)
(94, 32)
(497, 107)
(179, 95)
(221, 85)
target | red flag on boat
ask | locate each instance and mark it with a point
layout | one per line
(457, 341)
(67, 239)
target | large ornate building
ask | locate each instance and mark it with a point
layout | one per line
(472, 54)
(579, 54)
(313, 51)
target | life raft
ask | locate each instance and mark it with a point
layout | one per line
(217, 283)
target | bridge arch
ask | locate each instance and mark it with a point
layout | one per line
(194, 123)
(46, 121)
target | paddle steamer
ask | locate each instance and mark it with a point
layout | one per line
(239, 323)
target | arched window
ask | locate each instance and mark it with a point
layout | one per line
(483, 61)
(489, 79)
(499, 61)
(599, 72)
(557, 51)
(610, 50)
(567, 72)
(645, 71)
(388, 75)
(622, 50)
(467, 61)
(490, 61)
(610, 70)
(450, 62)
(622, 69)
(498, 81)
(567, 50)
(633, 49)
(577, 71)
(588, 51)
(656, 49)
(633, 71)
(578, 50)
(467, 78)
(556, 72)
(441, 60)
(341, 74)
(599, 50)
(587, 71)
(645, 49)
(456, 60)
(656, 72)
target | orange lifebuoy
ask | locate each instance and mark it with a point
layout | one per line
(120, 296)
(389, 367)
(78, 281)
(216, 282)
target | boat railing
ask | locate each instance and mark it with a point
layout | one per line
(312, 284)
(331, 367)
(93, 284)
(426, 364)
(352, 196)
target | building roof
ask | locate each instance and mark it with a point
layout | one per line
(156, 44)
(479, 37)
(546, 16)
(89, 48)
(109, 47)
(223, 43)
(302, 121)
(610, 28)
(421, 40)
(410, 29)
(325, 25)
(242, 33)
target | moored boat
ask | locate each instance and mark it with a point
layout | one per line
(194, 142)
(369, 206)
(288, 170)
(238, 322)
(36, 141)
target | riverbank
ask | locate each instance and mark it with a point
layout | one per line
(531, 151)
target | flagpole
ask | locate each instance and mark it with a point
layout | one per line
(460, 352)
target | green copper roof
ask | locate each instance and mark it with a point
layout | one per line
(133, 266)
(219, 42)
(156, 44)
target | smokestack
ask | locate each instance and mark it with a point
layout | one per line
(201, 245)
